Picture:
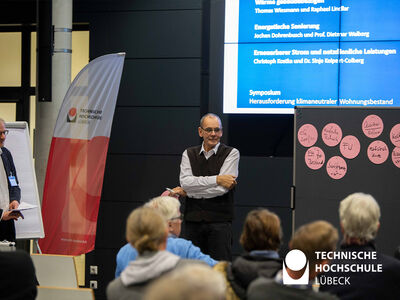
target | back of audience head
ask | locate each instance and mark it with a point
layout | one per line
(312, 237)
(261, 231)
(169, 208)
(397, 253)
(146, 230)
(191, 282)
(359, 215)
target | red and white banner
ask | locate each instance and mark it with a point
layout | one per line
(77, 158)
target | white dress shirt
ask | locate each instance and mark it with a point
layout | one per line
(206, 186)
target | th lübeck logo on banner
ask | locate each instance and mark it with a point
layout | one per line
(71, 117)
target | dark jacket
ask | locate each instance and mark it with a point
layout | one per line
(367, 285)
(245, 269)
(17, 276)
(9, 167)
(267, 289)
(7, 228)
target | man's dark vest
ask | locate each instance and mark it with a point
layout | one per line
(217, 209)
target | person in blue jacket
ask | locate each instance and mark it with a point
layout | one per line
(169, 207)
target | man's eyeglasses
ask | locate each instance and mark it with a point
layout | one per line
(5, 132)
(209, 129)
(177, 218)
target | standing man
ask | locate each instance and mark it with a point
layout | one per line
(10, 193)
(208, 177)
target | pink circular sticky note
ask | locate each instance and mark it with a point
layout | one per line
(350, 146)
(336, 167)
(331, 134)
(395, 135)
(315, 158)
(377, 152)
(372, 126)
(396, 156)
(307, 135)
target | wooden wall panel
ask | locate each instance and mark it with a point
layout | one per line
(147, 34)
(264, 181)
(160, 82)
(138, 5)
(146, 130)
(137, 178)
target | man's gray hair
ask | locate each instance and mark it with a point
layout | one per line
(210, 115)
(167, 206)
(2, 121)
(359, 216)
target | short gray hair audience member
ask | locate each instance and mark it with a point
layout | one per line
(261, 238)
(315, 236)
(191, 282)
(146, 230)
(359, 215)
(169, 207)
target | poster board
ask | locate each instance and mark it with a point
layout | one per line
(321, 183)
(50, 293)
(18, 142)
(47, 268)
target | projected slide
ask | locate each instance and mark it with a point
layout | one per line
(279, 54)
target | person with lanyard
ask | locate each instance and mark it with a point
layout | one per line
(10, 192)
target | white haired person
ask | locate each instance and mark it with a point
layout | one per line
(147, 231)
(379, 277)
(169, 207)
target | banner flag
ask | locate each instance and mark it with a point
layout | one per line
(77, 157)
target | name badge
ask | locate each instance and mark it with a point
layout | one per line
(12, 180)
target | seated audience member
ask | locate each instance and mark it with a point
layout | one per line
(397, 253)
(147, 231)
(359, 216)
(261, 238)
(169, 209)
(175, 192)
(17, 276)
(191, 282)
(309, 238)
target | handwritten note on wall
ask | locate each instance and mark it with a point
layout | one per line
(336, 167)
(396, 156)
(315, 158)
(350, 146)
(331, 134)
(307, 135)
(372, 126)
